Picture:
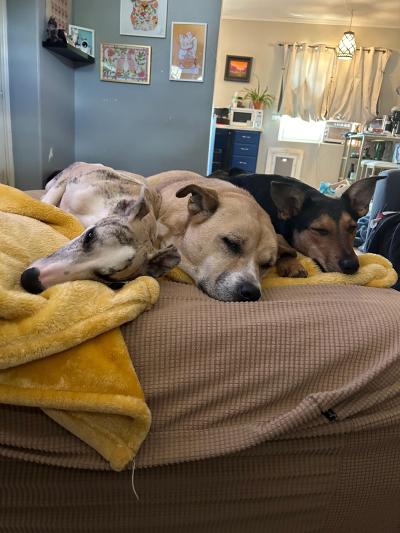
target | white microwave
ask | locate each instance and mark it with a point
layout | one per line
(246, 117)
(335, 131)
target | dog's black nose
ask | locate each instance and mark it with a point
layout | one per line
(30, 281)
(349, 266)
(249, 292)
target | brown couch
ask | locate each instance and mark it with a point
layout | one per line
(278, 416)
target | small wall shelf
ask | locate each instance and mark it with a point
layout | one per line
(70, 52)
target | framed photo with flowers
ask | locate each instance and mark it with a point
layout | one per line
(143, 18)
(188, 51)
(125, 63)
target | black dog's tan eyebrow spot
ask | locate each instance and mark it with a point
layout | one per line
(347, 224)
(324, 222)
(347, 220)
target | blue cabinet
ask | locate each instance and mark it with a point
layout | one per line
(236, 149)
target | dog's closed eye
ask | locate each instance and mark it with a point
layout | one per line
(233, 246)
(321, 231)
(90, 236)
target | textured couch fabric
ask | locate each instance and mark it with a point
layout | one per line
(281, 415)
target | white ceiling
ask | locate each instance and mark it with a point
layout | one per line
(369, 13)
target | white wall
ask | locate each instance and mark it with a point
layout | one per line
(258, 40)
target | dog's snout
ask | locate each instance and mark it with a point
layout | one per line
(349, 265)
(30, 280)
(249, 292)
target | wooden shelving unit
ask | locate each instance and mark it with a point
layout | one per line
(69, 52)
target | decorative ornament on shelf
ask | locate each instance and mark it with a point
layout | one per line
(347, 46)
(260, 97)
(54, 35)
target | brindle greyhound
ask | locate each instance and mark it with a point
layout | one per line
(120, 243)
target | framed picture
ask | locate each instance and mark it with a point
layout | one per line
(82, 38)
(61, 11)
(125, 63)
(143, 18)
(188, 51)
(238, 68)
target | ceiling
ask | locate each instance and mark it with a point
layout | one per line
(369, 13)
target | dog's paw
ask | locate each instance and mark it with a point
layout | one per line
(290, 267)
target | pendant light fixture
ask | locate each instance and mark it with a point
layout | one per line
(347, 46)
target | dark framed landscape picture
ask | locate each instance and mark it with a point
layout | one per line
(238, 68)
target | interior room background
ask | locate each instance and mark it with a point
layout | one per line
(60, 114)
(258, 40)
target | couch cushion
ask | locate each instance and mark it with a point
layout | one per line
(221, 377)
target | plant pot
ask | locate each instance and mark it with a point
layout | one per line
(258, 105)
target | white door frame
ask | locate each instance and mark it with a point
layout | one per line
(5, 94)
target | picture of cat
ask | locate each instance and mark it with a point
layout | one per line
(145, 18)
(188, 48)
(188, 51)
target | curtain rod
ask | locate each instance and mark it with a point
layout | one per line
(383, 50)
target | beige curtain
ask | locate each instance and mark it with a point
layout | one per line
(317, 86)
(356, 85)
(307, 71)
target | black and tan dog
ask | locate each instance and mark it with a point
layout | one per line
(316, 225)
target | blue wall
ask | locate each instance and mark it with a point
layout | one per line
(70, 112)
(57, 91)
(22, 28)
(145, 129)
(41, 97)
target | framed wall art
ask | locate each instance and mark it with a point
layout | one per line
(238, 68)
(143, 18)
(125, 63)
(82, 38)
(61, 11)
(188, 51)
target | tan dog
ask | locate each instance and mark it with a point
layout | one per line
(120, 243)
(225, 239)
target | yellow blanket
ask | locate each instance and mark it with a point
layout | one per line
(374, 271)
(88, 386)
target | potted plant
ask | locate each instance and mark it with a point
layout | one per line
(260, 97)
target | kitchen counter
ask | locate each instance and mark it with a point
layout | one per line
(239, 128)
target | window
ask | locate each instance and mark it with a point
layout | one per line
(298, 130)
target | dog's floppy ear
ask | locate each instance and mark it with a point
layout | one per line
(288, 199)
(358, 195)
(202, 203)
(162, 261)
(133, 209)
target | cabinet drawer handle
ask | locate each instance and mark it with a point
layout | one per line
(246, 137)
(242, 163)
(244, 149)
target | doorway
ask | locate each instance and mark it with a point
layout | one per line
(6, 157)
